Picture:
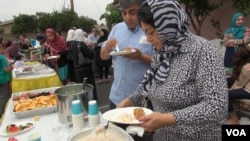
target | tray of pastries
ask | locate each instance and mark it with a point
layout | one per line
(34, 103)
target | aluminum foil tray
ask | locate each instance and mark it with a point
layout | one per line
(35, 112)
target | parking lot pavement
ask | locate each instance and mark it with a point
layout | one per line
(103, 95)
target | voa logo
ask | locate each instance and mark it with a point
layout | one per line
(236, 132)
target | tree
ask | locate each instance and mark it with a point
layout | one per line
(24, 24)
(112, 15)
(242, 6)
(60, 21)
(87, 23)
(65, 19)
(198, 10)
(45, 20)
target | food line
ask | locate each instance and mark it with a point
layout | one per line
(48, 126)
(48, 110)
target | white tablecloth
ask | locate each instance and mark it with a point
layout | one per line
(48, 126)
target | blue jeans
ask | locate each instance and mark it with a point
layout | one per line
(235, 95)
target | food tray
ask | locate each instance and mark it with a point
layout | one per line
(35, 112)
(24, 74)
(32, 92)
(45, 71)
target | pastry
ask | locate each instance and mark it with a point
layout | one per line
(138, 112)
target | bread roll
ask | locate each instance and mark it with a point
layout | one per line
(138, 112)
(128, 49)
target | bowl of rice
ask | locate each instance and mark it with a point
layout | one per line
(99, 133)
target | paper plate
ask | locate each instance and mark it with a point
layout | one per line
(112, 115)
(52, 57)
(123, 52)
(23, 123)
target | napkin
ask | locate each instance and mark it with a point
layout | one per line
(135, 130)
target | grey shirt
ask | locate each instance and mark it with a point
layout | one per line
(195, 92)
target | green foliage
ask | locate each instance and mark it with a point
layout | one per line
(64, 19)
(60, 21)
(242, 6)
(112, 15)
(45, 20)
(87, 24)
(198, 10)
(24, 24)
(219, 31)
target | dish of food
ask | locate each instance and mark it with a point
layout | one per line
(34, 103)
(128, 115)
(123, 52)
(16, 128)
(29, 95)
(99, 133)
(52, 57)
(112, 133)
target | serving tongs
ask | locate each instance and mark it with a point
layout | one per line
(84, 83)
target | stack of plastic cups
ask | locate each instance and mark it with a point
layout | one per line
(93, 113)
(77, 115)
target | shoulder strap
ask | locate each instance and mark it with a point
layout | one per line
(79, 44)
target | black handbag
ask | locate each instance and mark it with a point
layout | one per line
(81, 58)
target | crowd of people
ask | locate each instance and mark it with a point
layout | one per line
(180, 74)
(59, 53)
(236, 40)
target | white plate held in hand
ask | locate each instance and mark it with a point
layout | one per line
(52, 57)
(123, 52)
(113, 115)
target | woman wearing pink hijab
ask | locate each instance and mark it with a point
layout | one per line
(55, 53)
(12, 50)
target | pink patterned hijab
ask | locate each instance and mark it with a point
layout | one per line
(56, 45)
(13, 49)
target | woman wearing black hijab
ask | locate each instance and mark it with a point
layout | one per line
(103, 65)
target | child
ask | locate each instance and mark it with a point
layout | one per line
(18, 61)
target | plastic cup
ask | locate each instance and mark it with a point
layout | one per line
(34, 137)
(92, 108)
(76, 107)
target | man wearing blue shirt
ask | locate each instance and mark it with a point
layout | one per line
(128, 69)
(93, 38)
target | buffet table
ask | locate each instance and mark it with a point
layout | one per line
(42, 77)
(48, 126)
(36, 82)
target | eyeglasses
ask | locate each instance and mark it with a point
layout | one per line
(94, 30)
